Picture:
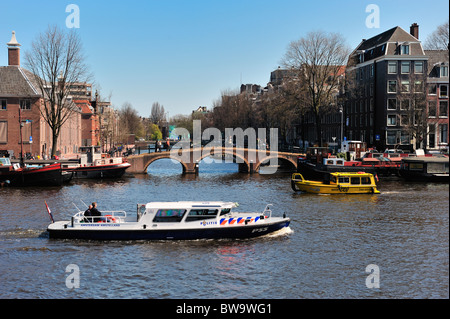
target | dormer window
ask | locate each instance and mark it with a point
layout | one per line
(404, 49)
(443, 71)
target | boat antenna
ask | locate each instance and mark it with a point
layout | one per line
(84, 203)
(78, 210)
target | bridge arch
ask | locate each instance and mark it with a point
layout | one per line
(236, 155)
(279, 158)
(164, 156)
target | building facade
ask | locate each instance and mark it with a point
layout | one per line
(437, 100)
(20, 114)
(387, 93)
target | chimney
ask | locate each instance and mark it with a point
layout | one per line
(13, 51)
(414, 30)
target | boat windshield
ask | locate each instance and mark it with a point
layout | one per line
(169, 215)
(225, 211)
(5, 161)
(200, 214)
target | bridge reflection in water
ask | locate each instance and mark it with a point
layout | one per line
(249, 160)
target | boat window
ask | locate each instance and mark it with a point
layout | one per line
(225, 211)
(200, 214)
(355, 181)
(343, 180)
(416, 167)
(339, 162)
(333, 179)
(365, 181)
(169, 215)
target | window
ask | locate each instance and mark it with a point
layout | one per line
(443, 108)
(344, 180)
(443, 91)
(404, 138)
(355, 180)
(25, 104)
(405, 104)
(444, 71)
(392, 104)
(443, 133)
(432, 108)
(404, 49)
(391, 137)
(392, 67)
(404, 120)
(405, 86)
(432, 89)
(392, 120)
(26, 131)
(405, 67)
(169, 215)
(418, 67)
(365, 181)
(200, 214)
(418, 87)
(3, 132)
(371, 70)
(431, 136)
(392, 86)
(3, 104)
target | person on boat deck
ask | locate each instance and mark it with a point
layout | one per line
(95, 212)
(88, 213)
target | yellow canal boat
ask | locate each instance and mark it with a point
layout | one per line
(339, 183)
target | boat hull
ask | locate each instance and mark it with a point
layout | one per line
(50, 175)
(238, 232)
(99, 172)
(318, 188)
(368, 186)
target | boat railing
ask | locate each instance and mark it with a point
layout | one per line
(267, 211)
(106, 217)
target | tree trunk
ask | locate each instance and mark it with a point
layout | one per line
(319, 129)
(54, 143)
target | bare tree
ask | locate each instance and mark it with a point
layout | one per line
(130, 121)
(413, 116)
(317, 60)
(157, 113)
(57, 61)
(439, 39)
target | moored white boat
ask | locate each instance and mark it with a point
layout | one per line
(171, 220)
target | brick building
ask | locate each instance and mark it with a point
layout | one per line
(437, 99)
(387, 104)
(18, 91)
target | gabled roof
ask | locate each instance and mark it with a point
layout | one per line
(396, 34)
(376, 47)
(85, 106)
(15, 81)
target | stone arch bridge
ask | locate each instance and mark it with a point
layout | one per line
(249, 160)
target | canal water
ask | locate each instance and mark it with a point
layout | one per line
(334, 248)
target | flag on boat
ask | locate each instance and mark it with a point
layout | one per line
(49, 212)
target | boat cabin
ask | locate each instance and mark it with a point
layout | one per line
(354, 149)
(176, 212)
(353, 179)
(425, 168)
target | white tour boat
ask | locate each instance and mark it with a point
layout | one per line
(170, 220)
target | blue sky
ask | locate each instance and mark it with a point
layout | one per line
(183, 54)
